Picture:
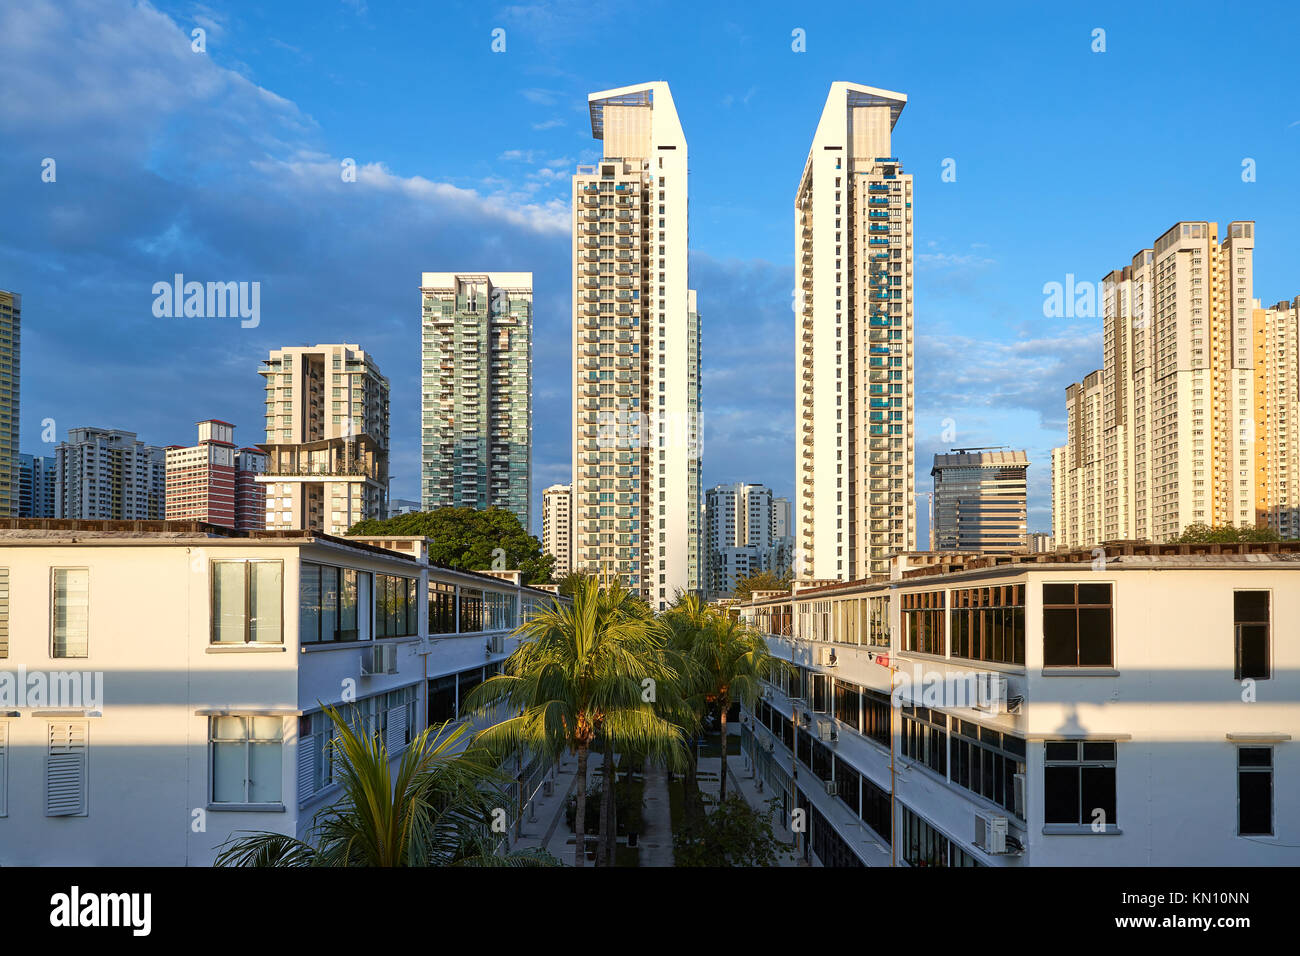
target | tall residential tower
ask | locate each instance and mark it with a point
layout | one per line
(636, 335)
(853, 311)
(1164, 434)
(11, 310)
(476, 391)
(326, 438)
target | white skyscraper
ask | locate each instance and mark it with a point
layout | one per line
(636, 337)
(557, 527)
(853, 302)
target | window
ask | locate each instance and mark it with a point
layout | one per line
(1255, 791)
(442, 608)
(246, 602)
(922, 614)
(70, 612)
(471, 610)
(4, 632)
(986, 762)
(925, 738)
(246, 759)
(1250, 627)
(923, 845)
(848, 704)
(397, 610)
(988, 624)
(333, 605)
(1077, 625)
(66, 771)
(1079, 782)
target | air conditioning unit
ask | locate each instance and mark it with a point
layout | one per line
(498, 643)
(379, 659)
(832, 787)
(991, 834)
(990, 693)
(825, 730)
(827, 657)
(1018, 795)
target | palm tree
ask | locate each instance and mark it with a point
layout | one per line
(733, 660)
(686, 620)
(432, 812)
(578, 673)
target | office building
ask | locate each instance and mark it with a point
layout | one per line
(1162, 436)
(980, 501)
(326, 438)
(636, 341)
(477, 391)
(1073, 709)
(109, 474)
(37, 482)
(221, 651)
(1277, 415)
(403, 506)
(855, 441)
(11, 312)
(557, 527)
(739, 534)
(216, 481)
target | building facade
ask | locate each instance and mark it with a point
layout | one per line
(636, 341)
(37, 483)
(109, 474)
(855, 440)
(557, 527)
(200, 662)
(1277, 413)
(326, 438)
(739, 534)
(980, 501)
(216, 481)
(1040, 542)
(1163, 435)
(1047, 710)
(785, 531)
(477, 391)
(11, 314)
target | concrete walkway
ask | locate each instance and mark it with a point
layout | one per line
(740, 780)
(656, 818)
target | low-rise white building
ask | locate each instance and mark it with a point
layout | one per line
(1131, 706)
(162, 684)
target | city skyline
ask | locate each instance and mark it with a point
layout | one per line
(979, 287)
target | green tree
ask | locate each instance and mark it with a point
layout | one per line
(432, 812)
(581, 672)
(686, 619)
(471, 540)
(572, 582)
(734, 834)
(733, 661)
(762, 581)
(1201, 533)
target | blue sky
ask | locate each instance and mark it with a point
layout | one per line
(224, 165)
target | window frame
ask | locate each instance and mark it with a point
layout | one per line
(1080, 762)
(54, 572)
(1238, 672)
(248, 743)
(248, 583)
(1076, 606)
(1272, 788)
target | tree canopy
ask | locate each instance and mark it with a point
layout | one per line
(1205, 534)
(762, 581)
(468, 539)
